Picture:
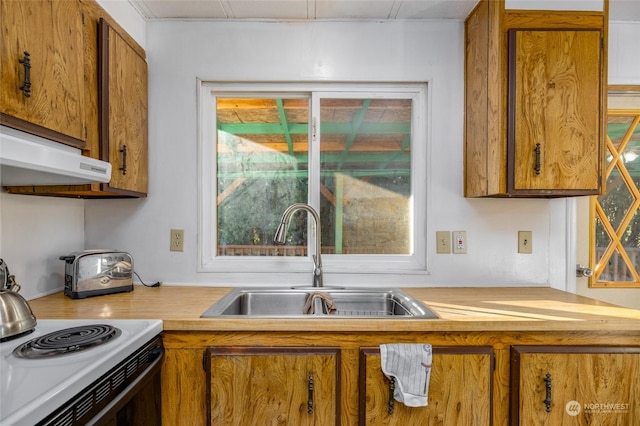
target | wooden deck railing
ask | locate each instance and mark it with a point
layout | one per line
(618, 270)
(242, 250)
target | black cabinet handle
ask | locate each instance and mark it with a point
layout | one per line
(392, 388)
(26, 85)
(537, 151)
(547, 399)
(310, 396)
(123, 169)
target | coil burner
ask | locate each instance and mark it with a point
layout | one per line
(66, 341)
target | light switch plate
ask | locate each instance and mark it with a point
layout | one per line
(525, 242)
(443, 242)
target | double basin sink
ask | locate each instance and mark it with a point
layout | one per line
(325, 302)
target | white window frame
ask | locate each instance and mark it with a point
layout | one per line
(210, 262)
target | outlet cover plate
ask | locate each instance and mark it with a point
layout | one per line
(459, 242)
(176, 242)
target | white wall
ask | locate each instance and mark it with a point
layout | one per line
(125, 15)
(624, 61)
(180, 52)
(34, 232)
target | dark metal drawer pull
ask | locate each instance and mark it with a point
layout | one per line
(392, 388)
(26, 86)
(124, 160)
(310, 396)
(547, 399)
(537, 150)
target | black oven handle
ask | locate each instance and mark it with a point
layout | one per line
(110, 410)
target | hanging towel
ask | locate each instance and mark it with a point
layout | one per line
(410, 365)
(310, 307)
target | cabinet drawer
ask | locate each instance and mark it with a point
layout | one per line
(554, 385)
(260, 386)
(459, 393)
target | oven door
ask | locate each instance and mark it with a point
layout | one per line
(129, 394)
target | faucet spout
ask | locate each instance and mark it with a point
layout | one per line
(281, 233)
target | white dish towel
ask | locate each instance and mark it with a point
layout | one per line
(410, 365)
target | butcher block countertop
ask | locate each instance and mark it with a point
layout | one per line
(459, 309)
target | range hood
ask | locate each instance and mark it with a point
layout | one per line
(26, 159)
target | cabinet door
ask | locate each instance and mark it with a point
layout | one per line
(123, 113)
(569, 385)
(459, 393)
(268, 386)
(555, 111)
(51, 32)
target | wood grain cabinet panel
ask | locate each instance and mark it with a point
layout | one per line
(51, 32)
(575, 385)
(475, 376)
(273, 386)
(534, 102)
(123, 113)
(554, 110)
(460, 389)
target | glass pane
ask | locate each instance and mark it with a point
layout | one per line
(617, 127)
(617, 200)
(262, 165)
(602, 240)
(619, 204)
(616, 269)
(365, 172)
(631, 237)
(631, 154)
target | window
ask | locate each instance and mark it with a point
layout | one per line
(356, 153)
(615, 216)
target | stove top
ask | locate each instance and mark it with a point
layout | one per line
(67, 340)
(31, 388)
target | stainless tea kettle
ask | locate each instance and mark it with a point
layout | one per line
(16, 316)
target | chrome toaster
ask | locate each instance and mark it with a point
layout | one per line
(96, 272)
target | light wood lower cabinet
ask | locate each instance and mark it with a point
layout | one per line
(460, 389)
(575, 385)
(273, 386)
(477, 378)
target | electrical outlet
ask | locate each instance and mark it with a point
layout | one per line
(443, 242)
(525, 242)
(459, 242)
(177, 240)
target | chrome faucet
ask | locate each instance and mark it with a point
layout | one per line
(281, 233)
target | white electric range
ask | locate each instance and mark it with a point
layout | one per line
(82, 385)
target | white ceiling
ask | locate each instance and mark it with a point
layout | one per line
(626, 10)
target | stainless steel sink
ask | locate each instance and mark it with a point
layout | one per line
(289, 302)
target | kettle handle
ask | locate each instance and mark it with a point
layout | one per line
(4, 275)
(12, 284)
(8, 280)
